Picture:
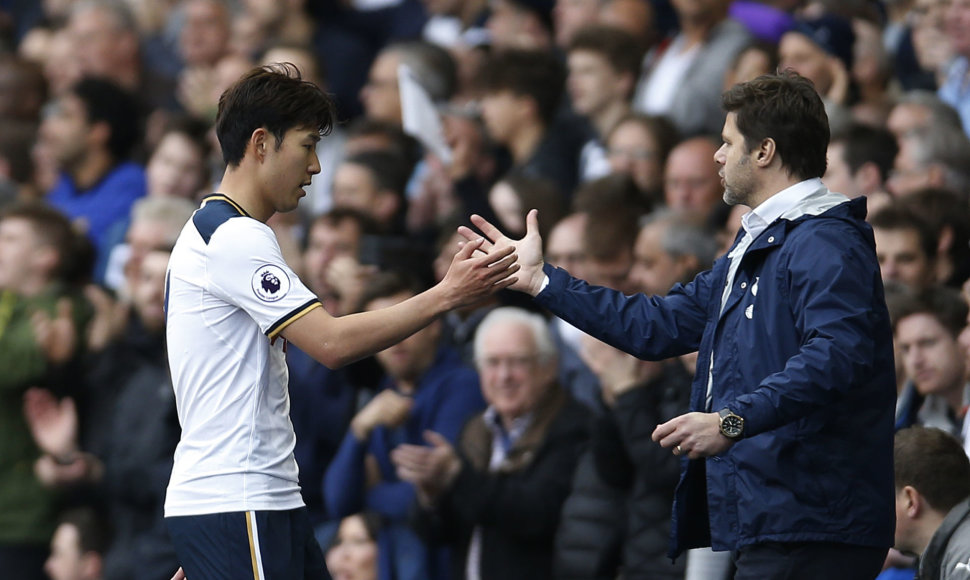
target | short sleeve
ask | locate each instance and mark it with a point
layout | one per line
(245, 267)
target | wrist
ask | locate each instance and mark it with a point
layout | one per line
(539, 283)
(360, 428)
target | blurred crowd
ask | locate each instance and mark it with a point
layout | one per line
(500, 442)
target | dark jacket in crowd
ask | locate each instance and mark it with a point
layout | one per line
(629, 459)
(133, 397)
(589, 542)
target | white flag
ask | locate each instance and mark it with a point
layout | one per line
(421, 118)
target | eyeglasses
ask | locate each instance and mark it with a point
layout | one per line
(514, 363)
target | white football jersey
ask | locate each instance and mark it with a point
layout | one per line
(228, 296)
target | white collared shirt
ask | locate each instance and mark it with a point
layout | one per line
(809, 197)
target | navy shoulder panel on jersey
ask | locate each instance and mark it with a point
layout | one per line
(215, 210)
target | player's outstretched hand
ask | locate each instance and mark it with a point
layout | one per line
(529, 249)
(474, 275)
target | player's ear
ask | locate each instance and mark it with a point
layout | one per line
(258, 141)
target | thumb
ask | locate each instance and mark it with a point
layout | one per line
(532, 222)
(436, 439)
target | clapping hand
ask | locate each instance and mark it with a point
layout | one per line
(388, 408)
(56, 335)
(431, 469)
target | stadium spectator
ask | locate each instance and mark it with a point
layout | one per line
(495, 496)
(932, 509)
(691, 181)
(927, 329)
(905, 246)
(426, 387)
(670, 249)
(523, 89)
(682, 79)
(43, 323)
(860, 161)
(947, 213)
(953, 90)
(78, 545)
(639, 145)
(603, 63)
(91, 132)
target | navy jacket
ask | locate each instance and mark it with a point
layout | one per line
(803, 351)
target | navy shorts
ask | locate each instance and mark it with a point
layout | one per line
(262, 545)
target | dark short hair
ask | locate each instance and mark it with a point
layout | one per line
(432, 66)
(388, 169)
(944, 304)
(398, 141)
(106, 102)
(946, 210)
(539, 193)
(373, 523)
(787, 109)
(611, 230)
(932, 462)
(867, 144)
(274, 97)
(75, 252)
(663, 131)
(899, 217)
(338, 215)
(615, 189)
(616, 45)
(536, 74)
(194, 129)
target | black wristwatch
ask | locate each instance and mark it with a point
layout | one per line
(732, 426)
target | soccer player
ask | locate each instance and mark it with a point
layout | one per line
(233, 506)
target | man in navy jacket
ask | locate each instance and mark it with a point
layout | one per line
(788, 446)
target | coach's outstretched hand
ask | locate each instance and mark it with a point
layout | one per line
(528, 249)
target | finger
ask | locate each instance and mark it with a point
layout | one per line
(471, 235)
(491, 232)
(410, 452)
(466, 250)
(100, 299)
(662, 431)
(436, 439)
(532, 222)
(503, 284)
(499, 259)
(479, 252)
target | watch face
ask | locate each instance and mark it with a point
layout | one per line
(732, 426)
